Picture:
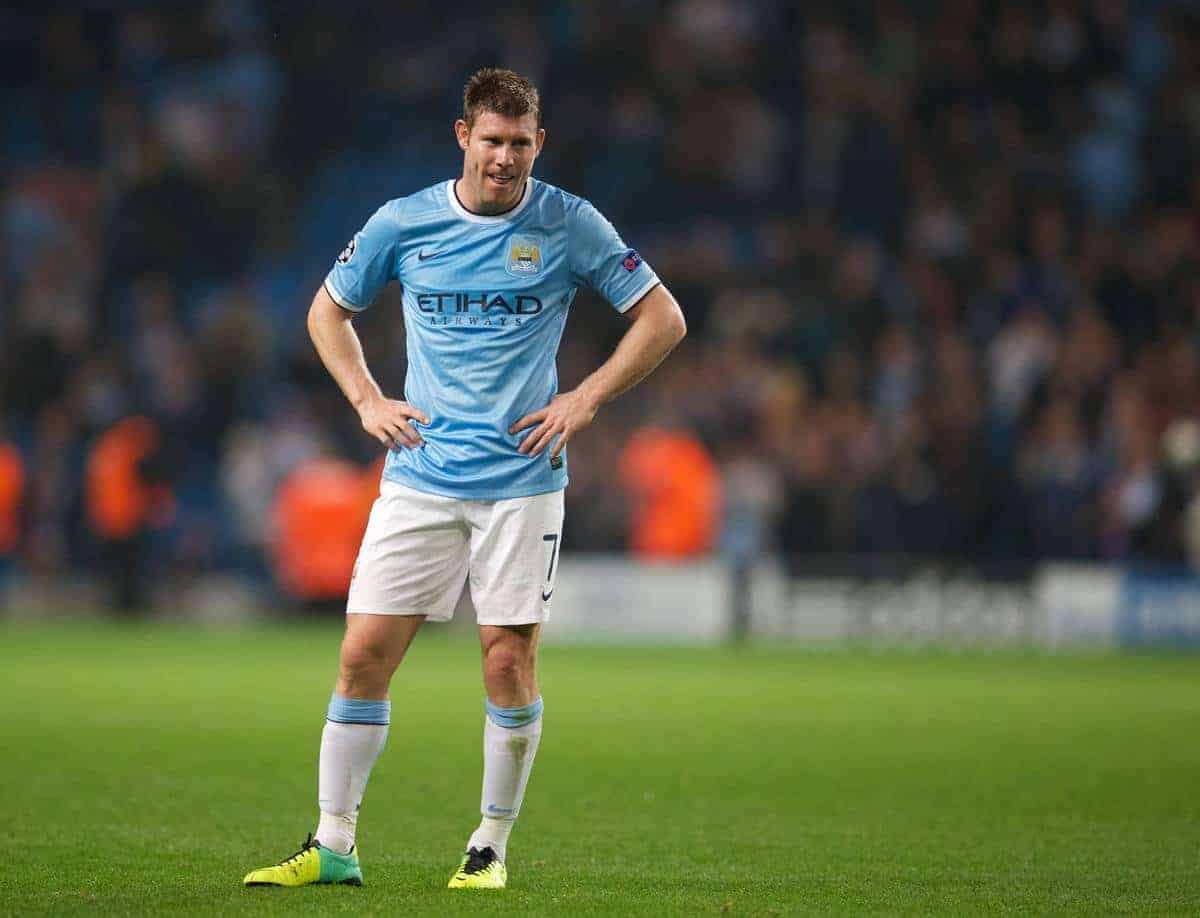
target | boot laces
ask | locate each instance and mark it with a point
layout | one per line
(293, 861)
(479, 859)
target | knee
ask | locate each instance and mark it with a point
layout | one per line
(363, 669)
(505, 665)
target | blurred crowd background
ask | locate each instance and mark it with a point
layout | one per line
(940, 262)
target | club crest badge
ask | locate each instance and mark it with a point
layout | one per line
(524, 256)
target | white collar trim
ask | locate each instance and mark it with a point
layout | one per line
(456, 205)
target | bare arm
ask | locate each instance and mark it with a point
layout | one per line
(658, 325)
(332, 332)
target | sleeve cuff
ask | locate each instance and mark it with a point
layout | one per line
(339, 299)
(630, 301)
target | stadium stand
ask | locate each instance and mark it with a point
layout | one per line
(941, 263)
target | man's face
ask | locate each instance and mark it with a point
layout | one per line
(498, 156)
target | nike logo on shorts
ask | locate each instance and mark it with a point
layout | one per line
(546, 596)
(422, 256)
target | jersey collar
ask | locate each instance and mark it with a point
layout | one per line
(509, 214)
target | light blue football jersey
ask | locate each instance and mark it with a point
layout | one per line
(485, 303)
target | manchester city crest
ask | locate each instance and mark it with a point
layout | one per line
(524, 256)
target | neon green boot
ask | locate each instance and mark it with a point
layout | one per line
(480, 869)
(311, 864)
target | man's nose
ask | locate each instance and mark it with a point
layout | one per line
(504, 155)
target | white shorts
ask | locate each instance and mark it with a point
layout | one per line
(419, 549)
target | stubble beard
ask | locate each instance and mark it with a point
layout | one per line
(502, 197)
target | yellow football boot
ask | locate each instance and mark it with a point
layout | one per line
(311, 864)
(480, 870)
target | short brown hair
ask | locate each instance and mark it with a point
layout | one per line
(493, 89)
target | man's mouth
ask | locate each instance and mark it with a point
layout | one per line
(503, 180)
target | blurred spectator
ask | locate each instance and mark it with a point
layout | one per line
(1060, 481)
(675, 494)
(12, 491)
(127, 497)
(317, 522)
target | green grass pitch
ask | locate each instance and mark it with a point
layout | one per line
(146, 769)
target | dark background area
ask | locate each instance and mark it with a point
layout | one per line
(940, 261)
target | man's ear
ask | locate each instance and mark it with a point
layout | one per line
(462, 134)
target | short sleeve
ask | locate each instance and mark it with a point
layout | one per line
(601, 260)
(366, 264)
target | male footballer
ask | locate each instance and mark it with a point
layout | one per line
(472, 488)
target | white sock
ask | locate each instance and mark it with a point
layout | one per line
(354, 735)
(510, 742)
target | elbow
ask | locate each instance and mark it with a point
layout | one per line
(312, 322)
(678, 327)
(671, 317)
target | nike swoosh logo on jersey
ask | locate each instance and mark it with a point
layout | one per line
(423, 256)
